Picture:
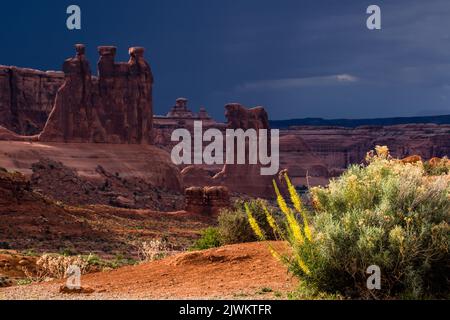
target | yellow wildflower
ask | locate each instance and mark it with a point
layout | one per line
(281, 202)
(296, 200)
(270, 219)
(254, 224)
(302, 265)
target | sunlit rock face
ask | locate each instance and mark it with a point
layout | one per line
(115, 107)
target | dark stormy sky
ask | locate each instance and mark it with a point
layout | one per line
(298, 58)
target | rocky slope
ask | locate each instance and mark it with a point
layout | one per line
(31, 221)
(131, 162)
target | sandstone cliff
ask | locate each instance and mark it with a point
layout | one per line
(114, 108)
(26, 98)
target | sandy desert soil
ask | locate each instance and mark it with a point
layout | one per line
(244, 271)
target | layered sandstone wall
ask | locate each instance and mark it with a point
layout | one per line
(26, 98)
(340, 147)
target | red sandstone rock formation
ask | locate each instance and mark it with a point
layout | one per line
(436, 162)
(246, 178)
(115, 108)
(412, 159)
(207, 200)
(26, 98)
(240, 117)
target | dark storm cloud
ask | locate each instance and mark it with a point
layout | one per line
(298, 58)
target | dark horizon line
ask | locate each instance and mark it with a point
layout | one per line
(353, 123)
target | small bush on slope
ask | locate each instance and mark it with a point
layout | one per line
(387, 214)
(210, 238)
(234, 226)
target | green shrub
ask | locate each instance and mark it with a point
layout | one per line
(441, 168)
(210, 239)
(388, 214)
(234, 226)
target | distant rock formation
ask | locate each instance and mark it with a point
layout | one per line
(114, 108)
(26, 98)
(339, 147)
(246, 178)
(240, 117)
(207, 200)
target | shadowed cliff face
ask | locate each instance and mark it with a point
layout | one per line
(114, 108)
(26, 98)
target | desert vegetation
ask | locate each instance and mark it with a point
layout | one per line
(234, 227)
(386, 213)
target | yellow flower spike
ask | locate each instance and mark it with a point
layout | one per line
(296, 200)
(292, 222)
(308, 232)
(302, 265)
(281, 202)
(272, 223)
(295, 227)
(254, 224)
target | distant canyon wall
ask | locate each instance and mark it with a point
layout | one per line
(340, 147)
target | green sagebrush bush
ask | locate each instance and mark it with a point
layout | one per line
(234, 226)
(388, 214)
(210, 238)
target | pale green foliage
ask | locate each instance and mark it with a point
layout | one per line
(387, 214)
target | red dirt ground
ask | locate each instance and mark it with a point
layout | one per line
(244, 271)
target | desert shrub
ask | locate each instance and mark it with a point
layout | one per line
(234, 226)
(153, 250)
(386, 213)
(210, 238)
(441, 168)
(55, 266)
